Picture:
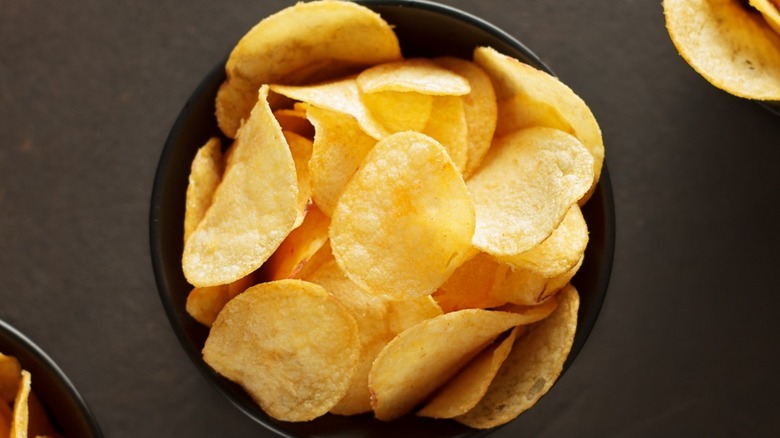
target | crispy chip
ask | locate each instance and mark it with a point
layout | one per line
(299, 246)
(559, 252)
(21, 412)
(300, 149)
(471, 285)
(481, 110)
(533, 365)
(289, 344)
(339, 148)
(399, 111)
(771, 12)
(528, 288)
(205, 303)
(312, 40)
(526, 184)
(403, 314)
(465, 390)
(732, 48)
(5, 420)
(205, 175)
(409, 189)
(539, 99)
(447, 125)
(294, 120)
(10, 374)
(254, 207)
(419, 75)
(422, 358)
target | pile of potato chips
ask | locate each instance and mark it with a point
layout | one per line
(387, 235)
(21, 413)
(733, 44)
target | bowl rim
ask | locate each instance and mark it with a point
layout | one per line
(604, 186)
(43, 360)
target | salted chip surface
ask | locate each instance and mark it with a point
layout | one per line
(536, 98)
(480, 107)
(300, 149)
(533, 365)
(21, 412)
(204, 303)
(299, 247)
(557, 253)
(399, 111)
(419, 75)
(732, 48)
(254, 207)
(339, 147)
(291, 345)
(527, 183)
(422, 358)
(528, 288)
(305, 42)
(205, 175)
(448, 126)
(471, 285)
(407, 187)
(471, 383)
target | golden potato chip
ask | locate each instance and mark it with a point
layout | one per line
(539, 99)
(21, 413)
(312, 40)
(254, 207)
(771, 12)
(557, 283)
(732, 48)
(5, 420)
(481, 110)
(557, 253)
(294, 120)
(205, 175)
(341, 95)
(300, 149)
(403, 314)
(408, 188)
(419, 360)
(339, 147)
(447, 125)
(471, 383)
(204, 303)
(289, 344)
(299, 246)
(399, 111)
(471, 285)
(39, 425)
(533, 365)
(308, 266)
(528, 288)
(419, 75)
(10, 374)
(527, 183)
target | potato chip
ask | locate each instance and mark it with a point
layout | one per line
(341, 95)
(527, 183)
(419, 360)
(21, 413)
(403, 314)
(409, 189)
(471, 285)
(10, 374)
(471, 383)
(289, 344)
(533, 365)
(557, 283)
(528, 288)
(732, 48)
(399, 111)
(481, 110)
(5, 420)
(308, 266)
(771, 12)
(307, 41)
(254, 207)
(294, 120)
(559, 252)
(447, 125)
(548, 101)
(205, 175)
(339, 147)
(299, 246)
(420, 75)
(300, 149)
(204, 303)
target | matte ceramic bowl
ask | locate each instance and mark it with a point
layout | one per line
(424, 29)
(67, 411)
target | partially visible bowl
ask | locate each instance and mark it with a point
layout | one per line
(424, 29)
(67, 410)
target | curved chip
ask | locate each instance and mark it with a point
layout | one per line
(537, 98)
(21, 412)
(419, 75)
(471, 285)
(399, 111)
(312, 40)
(205, 175)
(299, 247)
(731, 47)
(204, 303)
(289, 344)
(408, 188)
(254, 207)
(448, 126)
(533, 365)
(770, 9)
(419, 360)
(527, 183)
(300, 149)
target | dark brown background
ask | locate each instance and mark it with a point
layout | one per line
(687, 341)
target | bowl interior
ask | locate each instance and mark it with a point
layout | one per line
(67, 410)
(424, 29)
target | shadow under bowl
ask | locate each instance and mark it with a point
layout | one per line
(424, 29)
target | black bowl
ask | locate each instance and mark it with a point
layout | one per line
(424, 29)
(67, 410)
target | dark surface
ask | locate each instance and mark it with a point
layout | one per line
(687, 340)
